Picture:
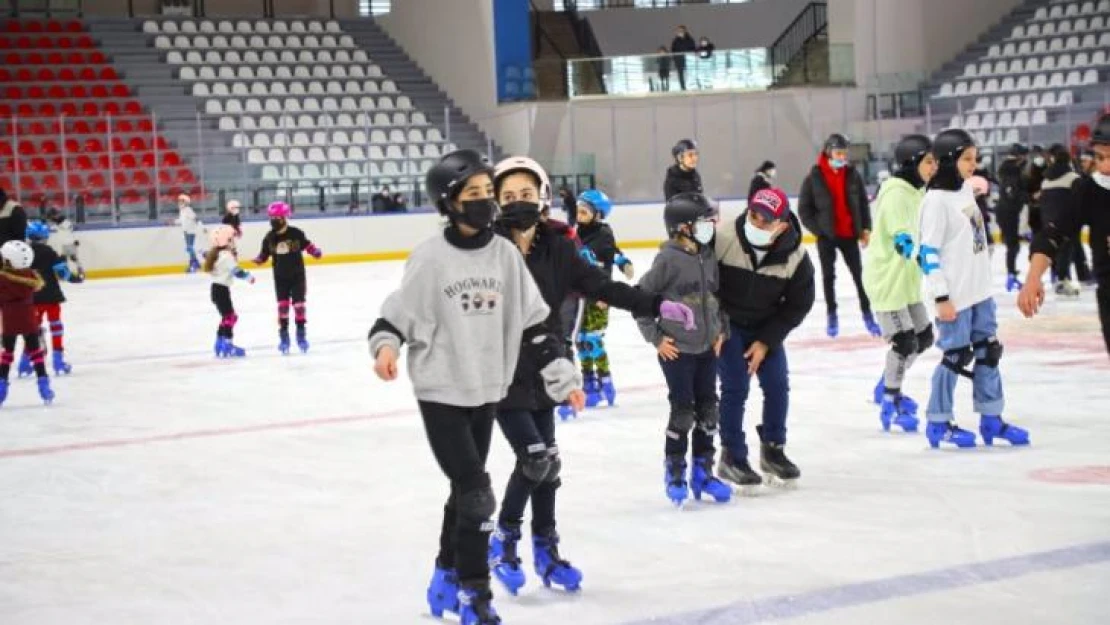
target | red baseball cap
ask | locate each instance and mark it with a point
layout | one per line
(772, 203)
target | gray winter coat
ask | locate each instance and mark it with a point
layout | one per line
(690, 278)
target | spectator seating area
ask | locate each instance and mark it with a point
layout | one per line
(69, 127)
(1033, 76)
(301, 101)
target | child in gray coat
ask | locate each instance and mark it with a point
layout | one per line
(685, 270)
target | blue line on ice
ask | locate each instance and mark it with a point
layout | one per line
(751, 611)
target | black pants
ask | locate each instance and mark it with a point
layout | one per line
(849, 248)
(530, 432)
(680, 67)
(221, 297)
(1079, 258)
(1103, 297)
(692, 392)
(31, 346)
(1008, 223)
(460, 438)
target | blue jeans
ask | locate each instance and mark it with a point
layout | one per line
(692, 384)
(774, 379)
(972, 325)
(190, 249)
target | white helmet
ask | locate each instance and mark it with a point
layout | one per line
(18, 254)
(523, 163)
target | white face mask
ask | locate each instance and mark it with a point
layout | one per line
(704, 231)
(771, 173)
(1102, 180)
(1038, 161)
(757, 236)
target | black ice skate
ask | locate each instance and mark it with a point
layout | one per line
(737, 472)
(778, 468)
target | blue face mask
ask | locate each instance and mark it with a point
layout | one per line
(837, 163)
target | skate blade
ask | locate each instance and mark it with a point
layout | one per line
(744, 490)
(778, 482)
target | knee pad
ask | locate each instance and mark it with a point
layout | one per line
(992, 352)
(475, 507)
(681, 420)
(708, 416)
(925, 339)
(555, 466)
(536, 464)
(958, 359)
(904, 344)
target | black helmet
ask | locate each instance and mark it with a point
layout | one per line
(950, 143)
(686, 208)
(911, 149)
(1018, 149)
(443, 181)
(836, 141)
(683, 145)
(1101, 135)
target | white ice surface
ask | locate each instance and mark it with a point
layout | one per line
(164, 486)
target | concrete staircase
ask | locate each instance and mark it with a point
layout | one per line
(411, 80)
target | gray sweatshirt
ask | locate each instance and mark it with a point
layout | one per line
(690, 278)
(463, 313)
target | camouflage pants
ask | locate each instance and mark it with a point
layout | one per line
(591, 339)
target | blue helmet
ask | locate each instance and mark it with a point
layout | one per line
(38, 230)
(597, 200)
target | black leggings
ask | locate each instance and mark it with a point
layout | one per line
(460, 439)
(221, 297)
(849, 248)
(31, 346)
(529, 432)
(1008, 224)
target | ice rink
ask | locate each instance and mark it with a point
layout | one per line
(164, 486)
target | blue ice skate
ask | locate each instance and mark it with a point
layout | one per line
(899, 411)
(226, 349)
(592, 387)
(992, 427)
(302, 339)
(25, 367)
(906, 401)
(194, 266)
(443, 592)
(3, 391)
(551, 567)
(703, 480)
(950, 433)
(674, 480)
(872, 327)
(607, 389)
(832, 327)
(283, 340)
(476, 606)
(1012, 283)
(504, 562)
(45, 392)
(60, 364)
(567, 412)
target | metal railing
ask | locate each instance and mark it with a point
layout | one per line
(792, 44)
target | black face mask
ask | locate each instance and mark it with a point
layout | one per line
(277, 224)
(519, 215)
(477, 214)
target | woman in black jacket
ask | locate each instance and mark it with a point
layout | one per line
(1058, 208)
(683, 176)
(526, 415)
(1013, 196)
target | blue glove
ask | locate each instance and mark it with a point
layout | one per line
(903, 244)
(588, 255)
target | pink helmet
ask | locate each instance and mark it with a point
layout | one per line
(278, 209)
(222, 236)
(980, 185)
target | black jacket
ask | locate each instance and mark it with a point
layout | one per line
(1013, 188)
(815, 203)
(759, 182)
(681, 181)
(45, 260)
(1091, 202)
(598, 236)
(769, 298)
(13, 220)
(558, 271)
(1058, 198)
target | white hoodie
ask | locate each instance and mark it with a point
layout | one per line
(954, 247)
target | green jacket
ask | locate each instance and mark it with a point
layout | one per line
(892, 281)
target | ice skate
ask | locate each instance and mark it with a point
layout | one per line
(551, 567)
(780, 471)
(872, 327)
(674, 480)
(193, 267)
(737, 471)
(833, 325)
(992, 427)
(898, 410)
(443, 592)
(60, 364)
(25, 367)
(283, 340)
(45, 392)
(567, 412)
(907, 401)
(607, 389)
(1067, 289)
(702, 480)
(476, 604)
(3, 391)
(302, 339)
(1012, 283)
(592, 386)
(948, 432)
(504, 561)
(220, 346)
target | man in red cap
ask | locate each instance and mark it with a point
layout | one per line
(767, 289)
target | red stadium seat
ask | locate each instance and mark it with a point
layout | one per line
(113, 109)
(58, 92)
(120, 91)
(147, 160)
(127, 161)
(97, 57)
(69, 109)
(98, 91)
(125, 126)
(13, 27)
(45, 43)
(75, 58)
(88, 74)
(133, 108)
(55, 58)
(89, 109)
(171, 159)
(72, 146)
(74, 26)
(23, 74)
(83, 162)
(32, 27)
(136, 144)
(97, 181)
(45, 75)
(5, 75)
(53, 26)
(33, 58)
(76, 182)
(13, 93)
(48, 147)
(185, 176)
(141, 179)
(93, 145)
(67, 74)
(145, 125)
(38, 164)
(85, 41)
(81, 127)
(108, 73)
(165, 178)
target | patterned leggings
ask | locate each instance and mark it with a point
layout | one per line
(591, 339)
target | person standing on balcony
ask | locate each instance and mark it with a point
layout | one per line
(663, 69)
(704, 73)
(683, 176)
(682, 44)
(833, 206)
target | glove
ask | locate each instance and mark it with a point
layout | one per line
(627, 270)
(317, 253)
(560, 379)
(588, 255)
(903, 244)
(677, 311)
(258, 260)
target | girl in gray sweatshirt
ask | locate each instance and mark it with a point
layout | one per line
(467, 307)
